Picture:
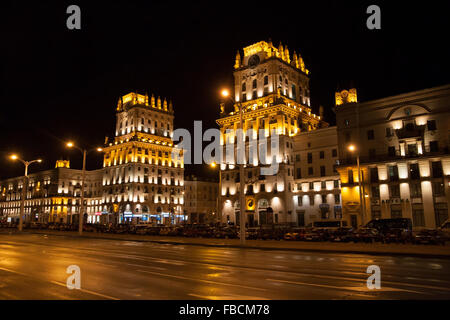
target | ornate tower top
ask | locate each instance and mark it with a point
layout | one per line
(135, 99)
(262, 50)
(346, 96)
(62, 164)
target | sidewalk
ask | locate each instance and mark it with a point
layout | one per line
(426, 251)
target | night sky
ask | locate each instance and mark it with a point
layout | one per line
(59, 84)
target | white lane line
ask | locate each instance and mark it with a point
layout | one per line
(228, 297)
(59, 283)
(358, 289)
(145, 266)
(87, 291)
(201, 280)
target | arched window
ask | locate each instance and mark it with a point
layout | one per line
(254, 83)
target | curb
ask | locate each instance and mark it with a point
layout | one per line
(373, 253)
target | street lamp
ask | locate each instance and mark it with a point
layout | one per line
(24, 187)
(352, 148)
(83, 174)
(226, 94)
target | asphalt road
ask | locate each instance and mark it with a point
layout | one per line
(34, 266)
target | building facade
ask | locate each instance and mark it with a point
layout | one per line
(317, 194)
(403, 147)
(141, 180)
(200, 200)
(52, 195)
(273, 88)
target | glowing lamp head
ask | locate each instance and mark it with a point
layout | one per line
(13, 157)
(225, 93)
(70, 144)
(39, 160)
(351, 148)
(99, 149)
(213, 165)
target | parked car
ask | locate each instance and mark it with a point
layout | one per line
(367, 235)
(445, 230)
(344, 234)
(428, 236)
(393, 230)
(295, 234)
(225, 232)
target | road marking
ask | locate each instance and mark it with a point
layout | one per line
(358, 289)
(227, 297)
(201, 280)
(87, 291)
(59, 283)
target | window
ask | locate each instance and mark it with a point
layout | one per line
(322, 154)
(416, 190)
(414, 172)
(436, 168)
(309, 157)
(434, 146)
(418, 217)
(254, 94)
(311, 200)
(431, 125)
(393, 173)
(294, 93)
(324, 198)
(441, 212)
(244, 87)
(322, 171)
(266, 80)
(323, 185)
(311, 186)
(376, 213)
(310, 171)
(298, 173)
(389, 132)
(391, 151)
(334, 153)
(394, 191)
(350, 176)
(412, 149)
(262, 187)
(438, 189)
(336, 184)
(297, 157)
(370, 135)
(396, 212)
(254, 84)
(337, 198)
(374, 175)
(375, 192)
(300, 201)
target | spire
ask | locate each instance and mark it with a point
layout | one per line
(146, 99)
(153, 101)
(170, 106)
(280, 51)
(295, 58)
(165, 104)
(286, 54)
(237, 63)
(158, 102)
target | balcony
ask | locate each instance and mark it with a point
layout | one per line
(410, 130)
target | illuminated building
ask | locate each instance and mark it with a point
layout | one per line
(317, 193)
(52, 195)
(403, 145)
(141, 181)
(200, 200)
(273, 87)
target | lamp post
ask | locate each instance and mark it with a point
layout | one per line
(352, 148)
(24, 187)
(83, 174)
(226, 94)
(218, 211)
